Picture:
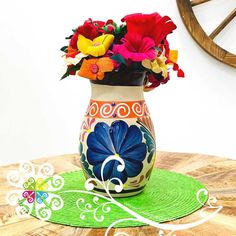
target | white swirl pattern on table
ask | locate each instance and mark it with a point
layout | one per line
(92, 182)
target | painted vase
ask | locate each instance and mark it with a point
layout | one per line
(117, 129)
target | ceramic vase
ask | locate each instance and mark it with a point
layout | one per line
(117, 128)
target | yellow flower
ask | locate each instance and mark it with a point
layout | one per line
(97, 47)
(173, 55)
(158, 65)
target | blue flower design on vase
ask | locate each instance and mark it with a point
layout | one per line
(121, 140)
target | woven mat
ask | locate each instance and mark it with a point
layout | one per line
(167, 196)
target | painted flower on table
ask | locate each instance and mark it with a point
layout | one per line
(135, 47)
(95, 68)
(35, 190)
(96, 47)
(121, 140)
(150, 25)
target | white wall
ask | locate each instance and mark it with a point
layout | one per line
(40, 116)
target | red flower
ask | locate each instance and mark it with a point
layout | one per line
(73, 40)
(135, 47)
(151, 25)
(109, 27)
(90, 29)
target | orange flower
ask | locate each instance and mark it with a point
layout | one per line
(71, 52)
(95, 68)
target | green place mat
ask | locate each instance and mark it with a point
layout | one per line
(167, 196)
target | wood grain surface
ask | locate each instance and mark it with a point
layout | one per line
(218, 174)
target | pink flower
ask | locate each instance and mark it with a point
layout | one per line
(86, 127)
(135, 47)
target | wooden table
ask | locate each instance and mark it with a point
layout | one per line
(218, 174)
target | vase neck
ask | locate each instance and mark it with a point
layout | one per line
(116, 93)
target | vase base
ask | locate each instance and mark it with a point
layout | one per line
(124, 193)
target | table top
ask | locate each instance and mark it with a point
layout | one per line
(218, 174)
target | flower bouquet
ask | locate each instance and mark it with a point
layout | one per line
(117, 141)
(139, 44)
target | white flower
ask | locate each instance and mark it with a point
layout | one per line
(36, 190)
(74, 60)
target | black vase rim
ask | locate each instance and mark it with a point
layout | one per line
(124, 78)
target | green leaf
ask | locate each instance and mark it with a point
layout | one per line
(150, 142)
(85, 165)
(65, 75)
(71, 69)
(82, 158)
(117, 30)
(150, 156)
(64, 49)
(69, 37)
(90, 173)
(118, 58)
(80, 148)
(105, 28)
(120, 31)
(114, 23)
